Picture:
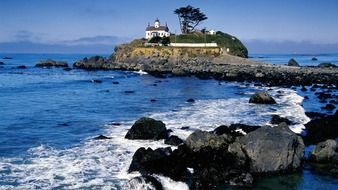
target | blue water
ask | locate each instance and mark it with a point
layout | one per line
(48, 118)
(302, 59)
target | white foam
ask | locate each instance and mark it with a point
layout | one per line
(104, 163)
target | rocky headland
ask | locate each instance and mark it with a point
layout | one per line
(211, 63)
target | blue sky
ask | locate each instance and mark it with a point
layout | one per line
(96, 25)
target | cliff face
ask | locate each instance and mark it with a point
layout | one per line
(128, 52)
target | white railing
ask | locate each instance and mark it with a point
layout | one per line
(193, 44)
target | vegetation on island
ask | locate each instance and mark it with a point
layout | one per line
(189, 18)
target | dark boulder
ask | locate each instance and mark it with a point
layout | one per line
(116, 82)
(243, 127)
(327, 65)
(51, 63)
(203, 139)
(320, 129)
(191, 100)
(315, 115)
(101, 137)
(314, 59)
(147, 128)
(325, 151)
(173, 140)
(93, 63)
(96, 81)
(262, 98)
(21, 67)
(223, 129)
(145, 182)
(329, 107)
(276, 120)
(2, 63)
(293, 62)
(324, 158)
(272, 150)
(158, 161)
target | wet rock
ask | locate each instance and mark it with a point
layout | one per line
(327, 65)
(223, 129)
(173, 140)
(101, 137)
(158, 161)
(276, 119)
(190, 100)
(314, 115)
(314, 59)
(93, 63)
(51, 63)
(262, 98)
(145, 182)
(147, 128)
(323, 95)
(185, 127)
(329, 107)
(333, 102)
(306, 97)
(293, 62)
(152, 100)
(21, 67)
(243, 127)
(115, 82)
(129, 92)
(304, 89)
(323, 158)
(272, 150)
(325, 152)
(96, 81)
(202, 139)
(242, 180)
(2, 63)
(320, 129)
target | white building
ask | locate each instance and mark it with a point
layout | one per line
(212, 32)
(157, 30)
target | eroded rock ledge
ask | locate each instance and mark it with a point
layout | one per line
(226, 67)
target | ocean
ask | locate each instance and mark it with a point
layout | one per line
(49, 117)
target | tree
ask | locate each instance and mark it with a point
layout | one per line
(189, 17)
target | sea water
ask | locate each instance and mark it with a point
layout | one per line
(49, 117)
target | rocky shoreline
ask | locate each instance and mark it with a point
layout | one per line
(227, 68)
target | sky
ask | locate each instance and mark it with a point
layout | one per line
(96, 26)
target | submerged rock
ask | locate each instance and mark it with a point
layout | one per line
(7, 58)
(21, 67)
(276, 119)
(329, 107)
(96, 81)
(101, 137)
(145, 182)
(147, 128)
(262, 98)
(2, 63)
(293, 62)
(314, 59)
(190, 100)
(51, 63)
(173, 140)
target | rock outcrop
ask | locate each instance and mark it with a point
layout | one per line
(293, 63)
(321, 128)
(173, 140)
(327, 64)
(145, 182)
(51, 63)
(272, 150)
(147, 128)
(262, 98)
(325, 152)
